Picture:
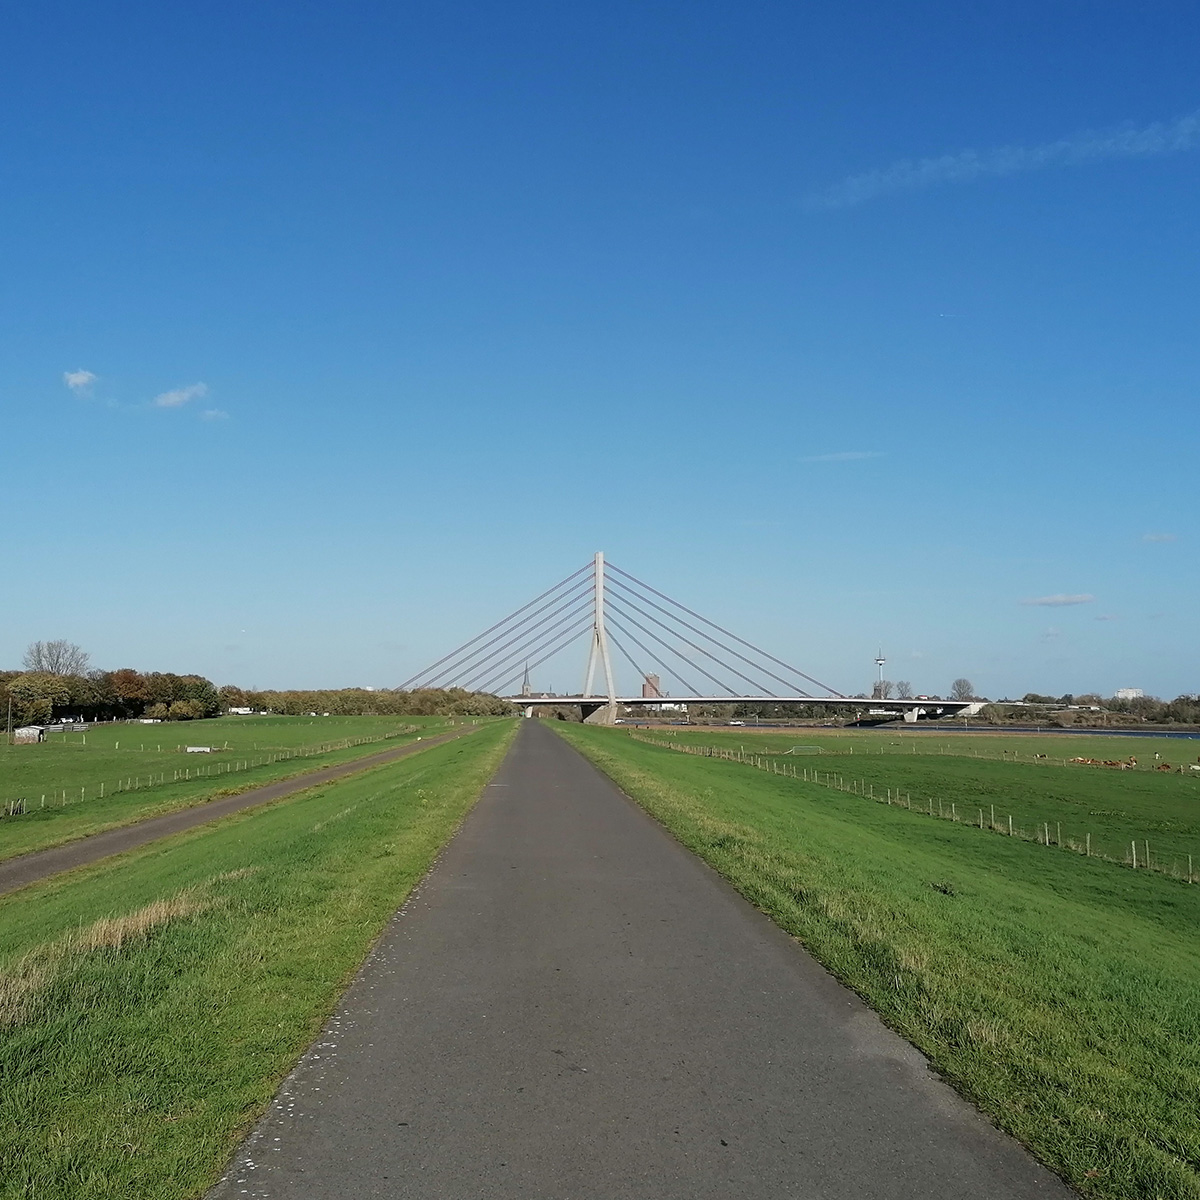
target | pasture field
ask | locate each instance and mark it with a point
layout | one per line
(997, 776)
(1058, 992)
(977, 743)
(150, 1005)
(114, 775)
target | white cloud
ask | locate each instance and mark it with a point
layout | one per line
(842, 456)
(79, 381)
(1106, 617)
(1060, 600)
(213, 414)
(1158, 537)
(908, 175)
(180, 396)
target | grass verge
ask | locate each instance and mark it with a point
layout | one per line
(40, 828)
(1099, 807)
(149, 1006)
(1055, 992)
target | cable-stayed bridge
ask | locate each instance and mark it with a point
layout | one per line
(601, 601)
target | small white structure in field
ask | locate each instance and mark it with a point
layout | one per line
(149, 720)
(240, 712)
(27, 734)
(199, 749)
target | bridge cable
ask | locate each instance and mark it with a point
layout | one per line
(480, 654)
(473, 657)
(497, 688)
(790, 684)
(473, 667)
(674, 633)
(454, 653)
(754, 683)
(716, 642)
(510, 662)
(532, 644)
(658, 662)
(619, 606)
(678, 653)
(741, 641)
(641, 674)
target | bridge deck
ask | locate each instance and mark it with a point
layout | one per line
(857, 702)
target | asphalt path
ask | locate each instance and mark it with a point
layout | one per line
(20, 872)
(573, 1006)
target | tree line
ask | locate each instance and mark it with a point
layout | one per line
(57, 684)
(359, 702)
(1137, 710)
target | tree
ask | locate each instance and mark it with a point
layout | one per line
(37, 694)
(903, 689)
(56, 658)
(962, 689)
(127, 691)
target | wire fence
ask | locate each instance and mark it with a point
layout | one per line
(1154, 763)
(1139, 856)
(61, 797)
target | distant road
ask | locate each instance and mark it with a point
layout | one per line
(573, 1006)
(19, 872)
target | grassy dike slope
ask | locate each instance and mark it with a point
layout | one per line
(150, 1006)
(1111, 807)
(1061, 994)
(40, 828)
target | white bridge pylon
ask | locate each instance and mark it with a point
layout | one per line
(599, 643)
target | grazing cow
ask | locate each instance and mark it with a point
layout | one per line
(1165, 766)
(1039, 756)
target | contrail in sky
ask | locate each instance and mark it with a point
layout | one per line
(1127, 141)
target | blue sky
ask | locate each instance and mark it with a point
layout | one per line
(330, 333)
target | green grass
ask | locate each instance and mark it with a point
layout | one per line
(151, 1005)
(138, 774)
(998, 772)
(1057, 992)
(939, 738)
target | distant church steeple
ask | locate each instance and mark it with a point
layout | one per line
(526, 690)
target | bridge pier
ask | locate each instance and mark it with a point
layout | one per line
(602, 713)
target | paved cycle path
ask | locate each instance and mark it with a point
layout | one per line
(19, 872)
(573, 1006)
